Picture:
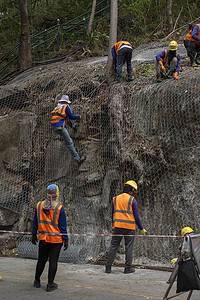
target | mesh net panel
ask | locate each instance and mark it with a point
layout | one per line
(148, 134)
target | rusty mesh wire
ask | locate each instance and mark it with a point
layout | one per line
(148, 133)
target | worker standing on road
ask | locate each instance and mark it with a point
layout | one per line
(168, 63)
(61, 115)
(49, 219)
(121, 53)
(124, 217)
(192, 44)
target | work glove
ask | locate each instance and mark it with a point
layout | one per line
(162, 66)
(176, 75)
(174, 260)
(65, 244)
(143, 231)
(34, 239)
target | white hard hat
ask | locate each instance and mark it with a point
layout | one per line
(64, 100)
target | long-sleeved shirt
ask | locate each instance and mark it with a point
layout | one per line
(135, 213)
(114, 54)
(195, 32)
(69, 114)
(161, 56)
(62, 224)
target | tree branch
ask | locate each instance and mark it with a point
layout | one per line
(179, 29)
(178, 18)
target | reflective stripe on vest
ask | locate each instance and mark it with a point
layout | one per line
(165, 59)
(119, 44)
(189, 37)
(123, 218)
(59, 115)
(48, 224)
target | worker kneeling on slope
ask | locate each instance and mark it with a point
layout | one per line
(124, 217)
(168, 63)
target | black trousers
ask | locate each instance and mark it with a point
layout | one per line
(47, 251)
(193, 50)
(115, 242)
(124, 54)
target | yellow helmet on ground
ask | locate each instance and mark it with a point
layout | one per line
(133, 184)
(186, 230)
(173, 45)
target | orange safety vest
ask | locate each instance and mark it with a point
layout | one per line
(189, 37)
(49, 223)
(123, 212)
(59, 114)
(119, 44)
(165, 58)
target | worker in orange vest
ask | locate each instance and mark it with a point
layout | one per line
(61, 117)
(192, 44)
(168, 63)
(50, 221)
(121, 53)
(124, 217)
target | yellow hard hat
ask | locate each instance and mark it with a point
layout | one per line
(186, 230)
(173, 45)
(133, 184)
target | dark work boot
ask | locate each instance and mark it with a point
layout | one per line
(36, 283)
(82, 158)
(129, 270)
(108, 270)
(197, 60)
(191, 61)
(158, 79)
(51, 287)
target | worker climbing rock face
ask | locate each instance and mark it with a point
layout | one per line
(49, 218)
(192, 44)
(124, 217)
(121, 53)
(61, 117)
(168, 63)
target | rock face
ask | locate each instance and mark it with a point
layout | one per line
(147, 132)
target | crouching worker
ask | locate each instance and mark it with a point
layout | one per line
(168, 63)
(186, 266)
(61, 116)
(124, 217)
(49, 220)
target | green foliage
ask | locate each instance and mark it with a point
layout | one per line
(97, 38)
(145, 70)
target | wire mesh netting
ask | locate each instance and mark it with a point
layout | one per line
(145, 132)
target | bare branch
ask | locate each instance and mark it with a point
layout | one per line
(178, 18)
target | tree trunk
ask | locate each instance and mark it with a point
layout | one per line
(169, 16)
(25, 42)
(113, 31)
(92, 16)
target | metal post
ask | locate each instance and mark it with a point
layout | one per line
(84, 30)
(45, 38)
(19, 48)
(58, 35)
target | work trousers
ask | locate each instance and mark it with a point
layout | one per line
(115, 242)
(193, 51)
(124, 54)
(47, 251)
(68, 141)
(170, 68)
